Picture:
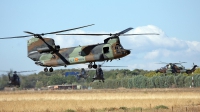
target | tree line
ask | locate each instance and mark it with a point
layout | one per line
(115, 78)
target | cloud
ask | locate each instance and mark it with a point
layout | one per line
(149, 42)
(152, 55)
(144, 66)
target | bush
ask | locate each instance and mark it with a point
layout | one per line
(92, 110)
(161, 107)
(123, 108)
(70, 110)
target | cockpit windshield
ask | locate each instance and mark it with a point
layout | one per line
(118, 46)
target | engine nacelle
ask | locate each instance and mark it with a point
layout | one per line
(44, 49)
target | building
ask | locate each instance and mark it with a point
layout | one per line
(71, 74)
(62, 87)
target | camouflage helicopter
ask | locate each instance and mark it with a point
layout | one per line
(15, 79)
(173, 68)
(44, 52)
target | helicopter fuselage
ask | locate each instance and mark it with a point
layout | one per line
(43, 54)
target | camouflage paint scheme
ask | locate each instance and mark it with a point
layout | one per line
(176, 69)
(41, 52)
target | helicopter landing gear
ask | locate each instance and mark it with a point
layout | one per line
(90, 65)
(94, 66)
(51, 69)
(46, 69)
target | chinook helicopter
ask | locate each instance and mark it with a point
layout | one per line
(14, 80)
(44, 52)
(173, 68)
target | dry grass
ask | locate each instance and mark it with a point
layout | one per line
(91, 100)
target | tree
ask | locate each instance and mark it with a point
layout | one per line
(39, 84)
(70, 79)
(3, 81)
(197, 71)
(180, 80)
(56, 80)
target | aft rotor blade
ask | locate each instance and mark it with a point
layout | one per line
(28, 32)
(32, 34)
(16, 37)
(140, 34)
(67, 30)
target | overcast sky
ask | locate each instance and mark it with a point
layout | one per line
(177, 22)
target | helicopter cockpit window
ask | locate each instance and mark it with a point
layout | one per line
(118, 48)
(53, 56)
(105, 49)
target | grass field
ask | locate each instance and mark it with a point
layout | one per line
(119, 100)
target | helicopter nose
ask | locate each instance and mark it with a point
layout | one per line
(128, 51)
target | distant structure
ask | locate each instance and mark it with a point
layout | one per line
(64, 87)
(71, 74)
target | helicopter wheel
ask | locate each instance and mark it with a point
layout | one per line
(51, 69)
(90, 65)
(46, 69)
(94, 66)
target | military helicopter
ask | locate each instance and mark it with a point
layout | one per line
(44, 52)
(173, 68)
(15, 79)
(99, 72)
(84, 73)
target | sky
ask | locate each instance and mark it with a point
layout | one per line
(177, 22)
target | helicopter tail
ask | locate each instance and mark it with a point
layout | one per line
(9, 76)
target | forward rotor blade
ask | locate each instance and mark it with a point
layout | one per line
(66, 30)
(140, 34)
(124, 31)
(117, 34)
